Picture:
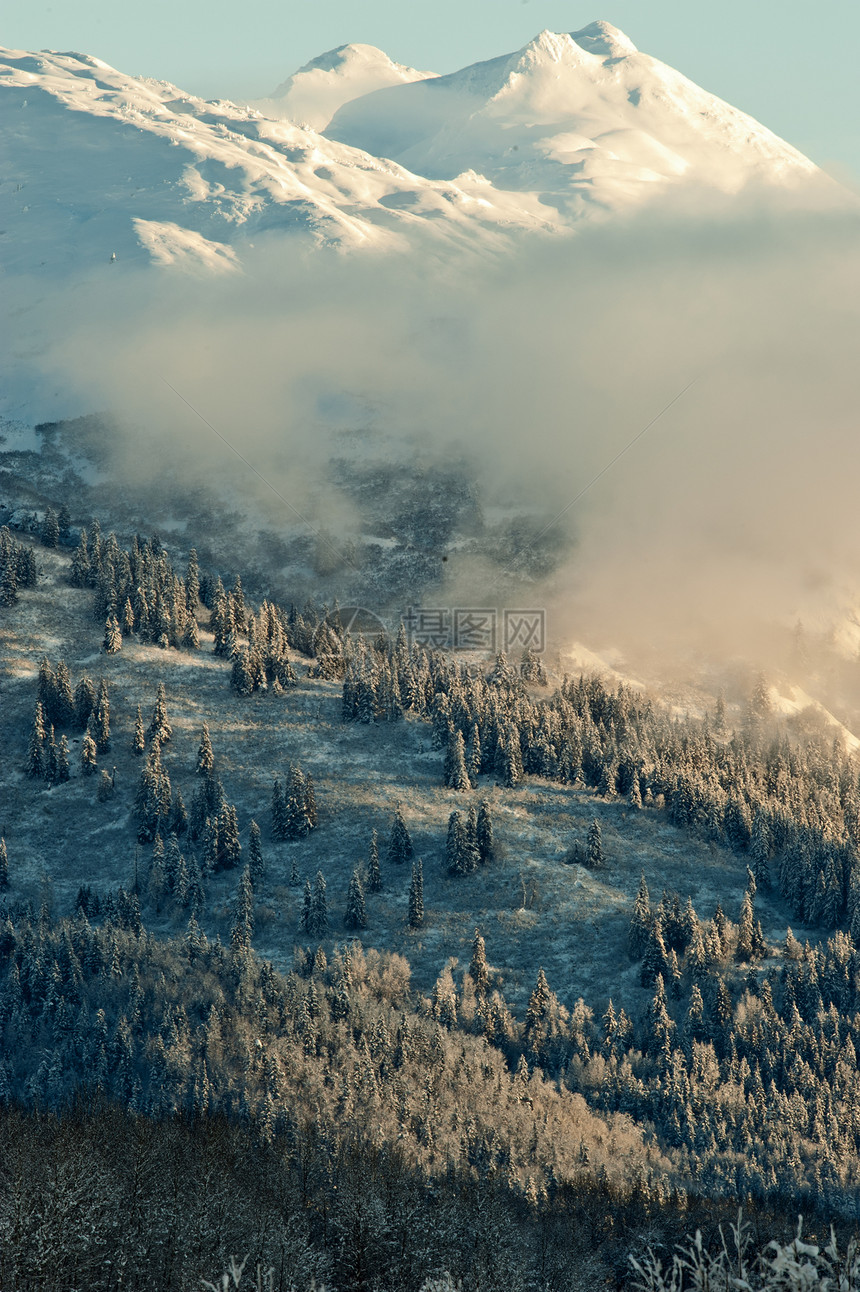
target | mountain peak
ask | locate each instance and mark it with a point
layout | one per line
(319, 88)
(604, 40)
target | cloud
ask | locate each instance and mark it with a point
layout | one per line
(735, 511)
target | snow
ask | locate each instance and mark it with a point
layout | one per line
(574, 125)
(99, 163)
(583, 119)
(313, 94)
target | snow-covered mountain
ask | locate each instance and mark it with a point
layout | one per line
(583, 120)
(101, 164)
(313, 94)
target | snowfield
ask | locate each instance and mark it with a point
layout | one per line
(103, 168)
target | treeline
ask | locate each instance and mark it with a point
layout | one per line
(99, 1198)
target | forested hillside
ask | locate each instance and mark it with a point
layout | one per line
(376, 932)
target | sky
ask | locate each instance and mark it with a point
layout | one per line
(791, 64)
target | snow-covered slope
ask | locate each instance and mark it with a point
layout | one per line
(581, 120)
(98, 163)
(313, 94)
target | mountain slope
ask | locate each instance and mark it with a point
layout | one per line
(583, 119)
(313, 94)
(101, 163)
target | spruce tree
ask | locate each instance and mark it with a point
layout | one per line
(35, 764)
(279, 812)
(89, 755)
(64, 700)
(374, 874)
(416, 896)
(63, 769)
(50, 533)
(484, 835)
(159, 726)
(400, 847)
(243, 928)
(113, 636)
(594, 846)
(255, 853)
(641, 920)
(4, 867)
(138, 742)
(205, 757)
(478, 965)
(355, 916)
(319, 908)
(85, 701)
(456, 775)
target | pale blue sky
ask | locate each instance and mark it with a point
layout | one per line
(793, 65)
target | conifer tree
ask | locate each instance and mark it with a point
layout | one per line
(456, 775)
(35, 764)
(594, 846)
(230, 847)
(178, 815)
(113, 636)
(138, 742)
(89, 755)
(478, 965)
(51, 758)
(306, 921)
(255, 853)
(4, 867)
(355, 916)
(474, 755)
(484, 835)
(63, 770)
(205, 757)
(85, 701)
(243, 929)
(192, 583)
(105, 788)
(374, 874)
(50, 533)
(64, 701)
(159, 726)
(400, 847)
(416, 896)
(127, 619)
(641, 920)
(319, 908)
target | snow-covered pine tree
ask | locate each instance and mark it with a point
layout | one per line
(89, 755)
(255, 853)
(456, 775)
(319, 908)
(138, 740)
(35, 764)
(416, 896)
(594, 846)
(355, 916)
(159, 726)
(478, 971)
(4, 867)
(374, 874)
(400, 847)
(205, 757)
(484, 835)
(113, 636)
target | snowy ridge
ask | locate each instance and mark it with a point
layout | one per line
(313, 94)
(97, 161)
(572, 126)
(583, 119)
